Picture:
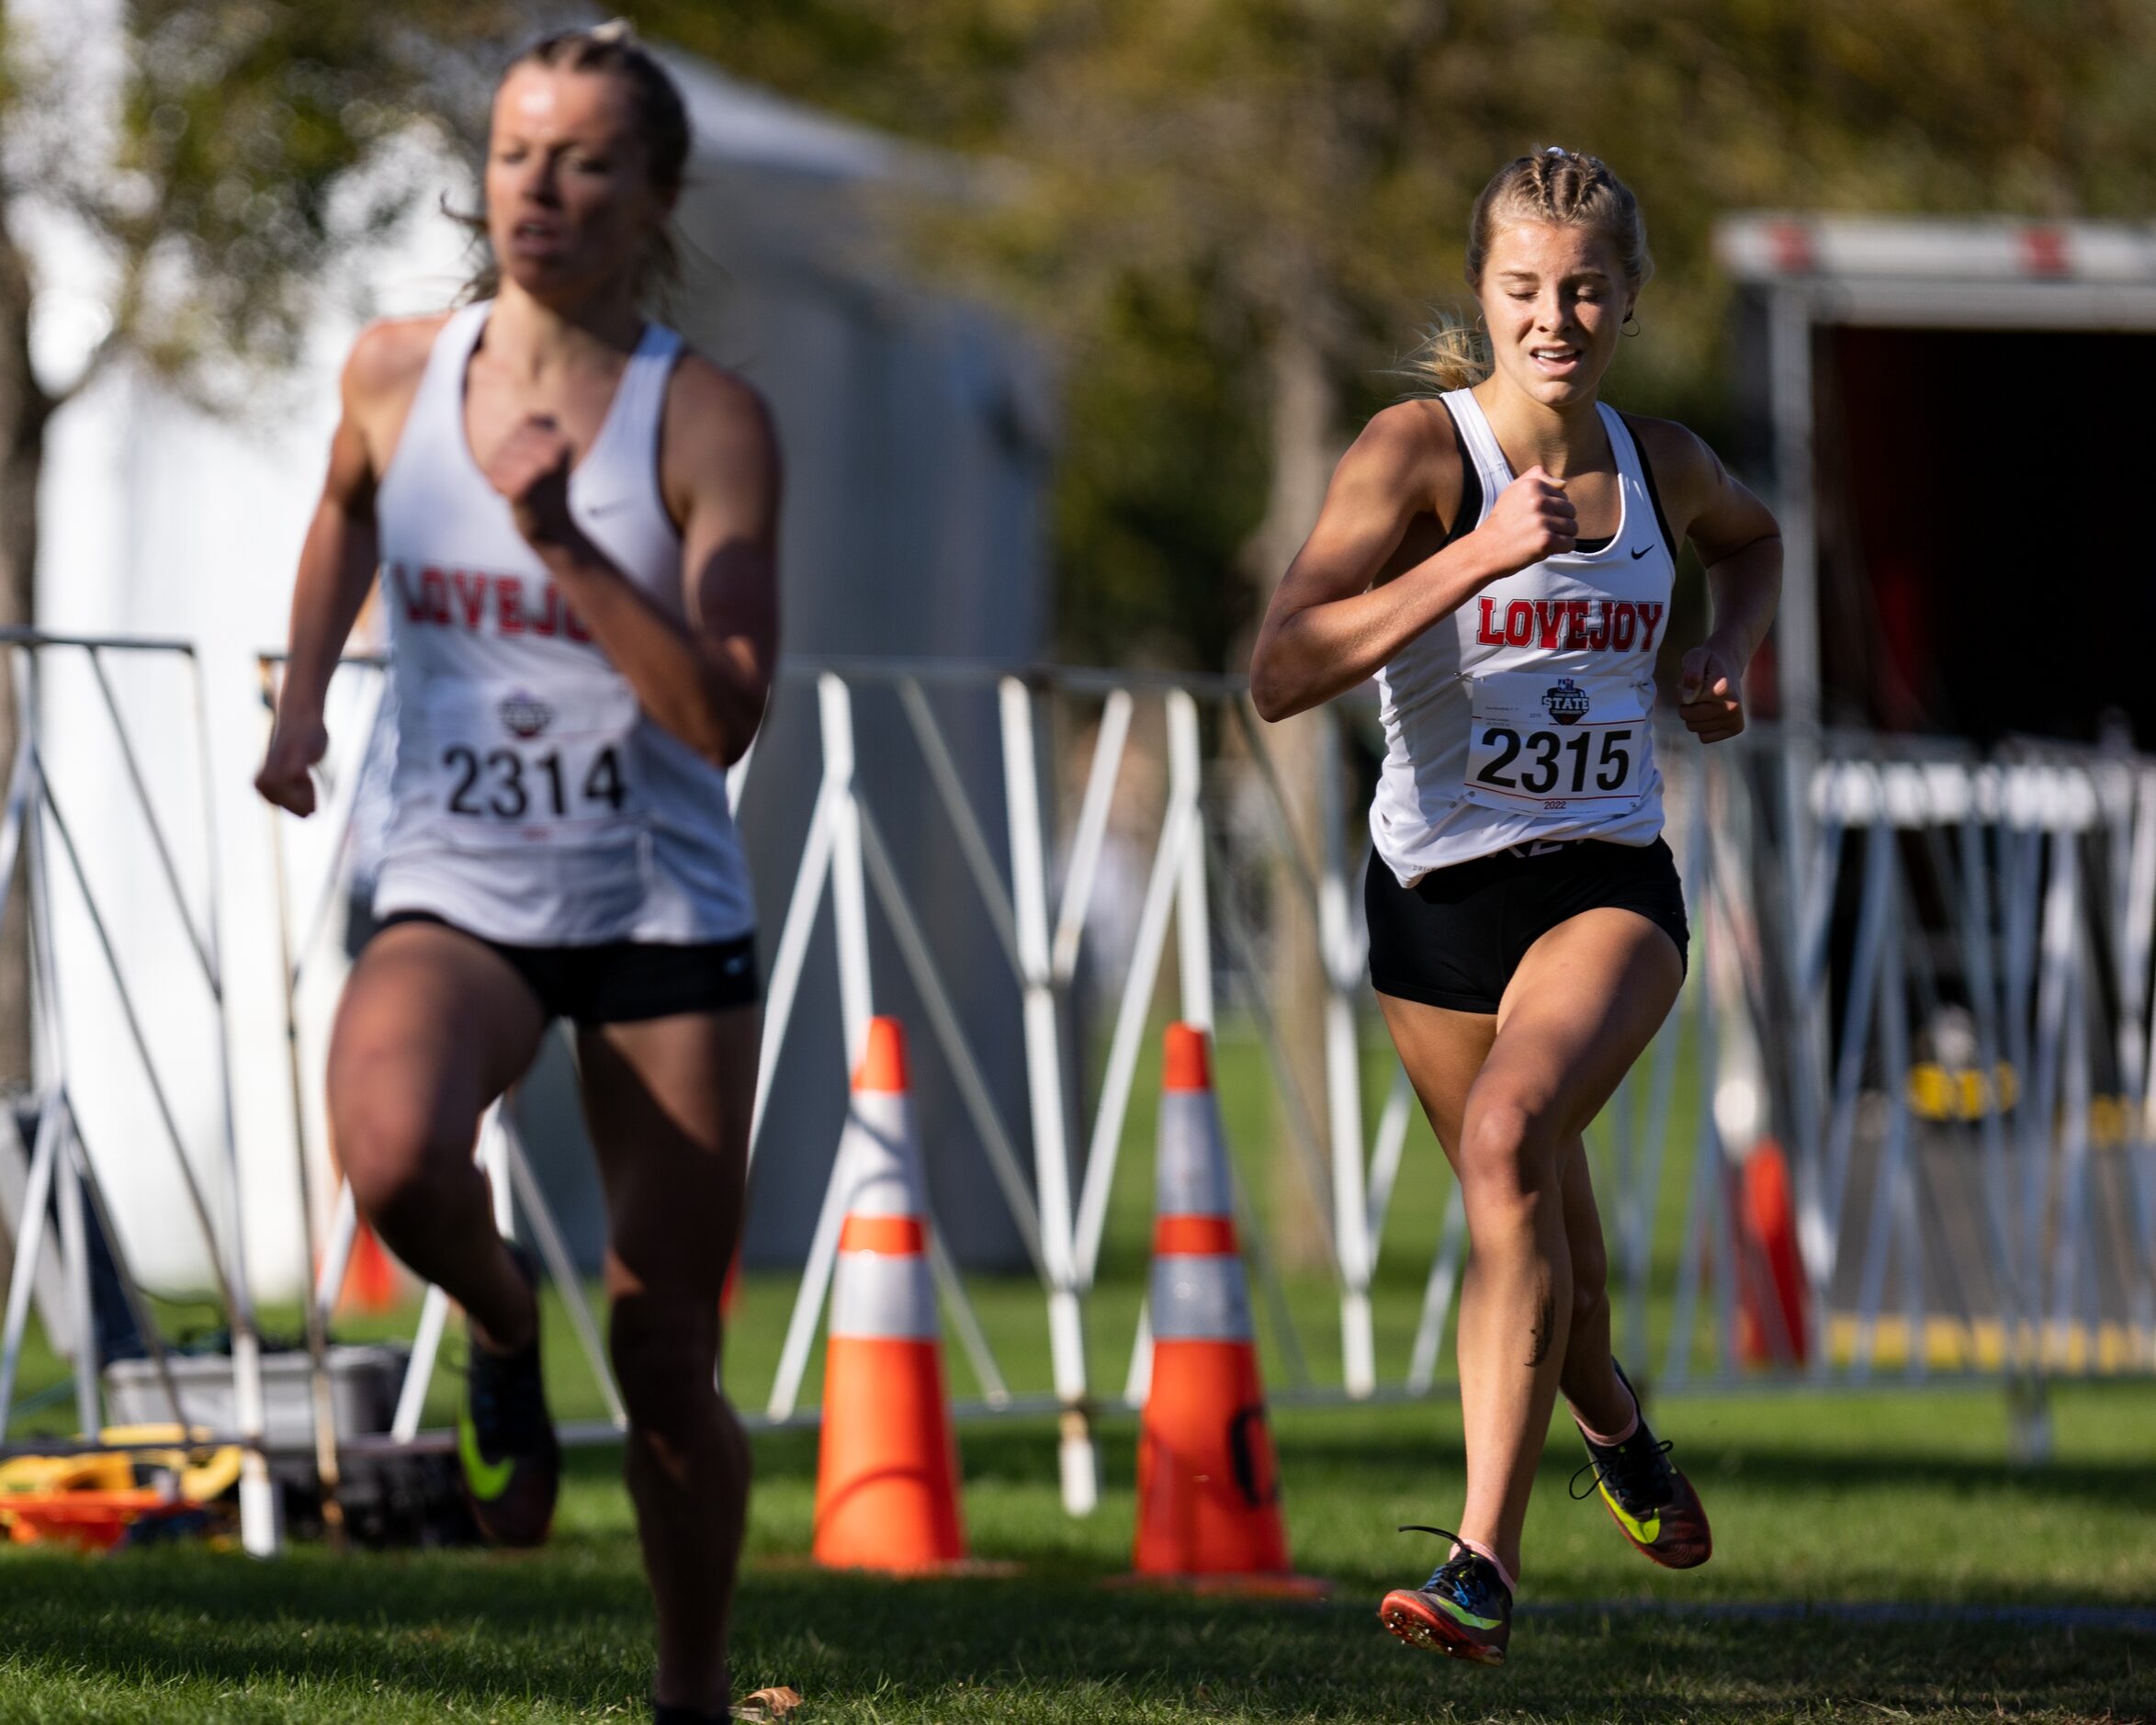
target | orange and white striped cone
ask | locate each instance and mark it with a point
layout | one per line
(886, 1481)
(1209, 1508)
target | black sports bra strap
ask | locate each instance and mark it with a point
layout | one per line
(1468, 516)
(1647, 478)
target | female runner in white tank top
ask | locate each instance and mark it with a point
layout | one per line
(575, 523)
(1499, 558)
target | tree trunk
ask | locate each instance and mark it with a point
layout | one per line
(24, 410)
(1304, 414)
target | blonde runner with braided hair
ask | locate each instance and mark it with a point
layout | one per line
(1560, 186)
(1500, 556)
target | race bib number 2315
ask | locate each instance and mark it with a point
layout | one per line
(1555, 745)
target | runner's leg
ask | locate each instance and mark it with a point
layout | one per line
(1509, 1097)
(1589, 1380)
(434, 1026)
(1443, 1052)
(1584, 1001)
(668, 1104)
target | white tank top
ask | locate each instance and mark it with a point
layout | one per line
(1526, 715)
(535, 803)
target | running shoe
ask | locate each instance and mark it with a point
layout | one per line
(1464, 1609)
(1653, 1503)
(505, 1442)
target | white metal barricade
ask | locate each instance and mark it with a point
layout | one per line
(62, 1169)
(1923, 975)
(1810, 1019)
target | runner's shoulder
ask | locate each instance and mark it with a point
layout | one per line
(717, 428)
(1683, 465)
(387, 358)
(715, 406)
(1410, 448)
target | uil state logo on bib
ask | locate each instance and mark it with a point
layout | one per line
(524, 715)
(1566, 702)
(509, 768)
(1557, 747)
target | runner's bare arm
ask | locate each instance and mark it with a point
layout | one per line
(1738, 540)
(1327, 628)
(704, 678)
(338, 557)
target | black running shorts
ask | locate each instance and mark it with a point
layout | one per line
(1455, 937)
(620, 982)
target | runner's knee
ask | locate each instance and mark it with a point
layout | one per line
(401, 1164)
(1508, 1149)
(665, 1352)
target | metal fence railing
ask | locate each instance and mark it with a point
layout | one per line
(1921, 985)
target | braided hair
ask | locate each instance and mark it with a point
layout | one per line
(1566, 188)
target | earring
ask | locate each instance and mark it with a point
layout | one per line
(1631, 326)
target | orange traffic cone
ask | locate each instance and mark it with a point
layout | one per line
(887, 1482)
(1773, 1308)
(370, 1275)
(1208, 1482)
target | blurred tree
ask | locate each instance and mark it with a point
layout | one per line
(205, 151)
(1213, 187)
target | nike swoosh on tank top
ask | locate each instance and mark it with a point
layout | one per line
(534, 802)
(1526, 715)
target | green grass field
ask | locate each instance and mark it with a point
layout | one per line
(1824, 1505)
(1818, 1502)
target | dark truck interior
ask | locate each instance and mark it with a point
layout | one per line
(1985, 560)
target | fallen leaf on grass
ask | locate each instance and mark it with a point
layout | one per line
(766, 1705)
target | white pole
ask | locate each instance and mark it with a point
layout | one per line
(75, 1259)
(850, 926)
(1028, 881)
(1117, 1080)
(1343, 1075)
(849, 896)
(261, 1519)
(419, 1371)
(30, 1240)
(1193, 922)
(1092, 830)
(790, 958)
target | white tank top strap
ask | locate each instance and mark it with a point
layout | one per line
(441, 386)
(1622, 447)
(458, 336)
(1490, 465)
(1632, 465)
(434, 426)
(632, 428)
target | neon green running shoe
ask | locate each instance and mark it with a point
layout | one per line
(505, 1444)
(1463, 1611)
(1654, 1505)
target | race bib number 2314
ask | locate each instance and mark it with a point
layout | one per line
(511, 763)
